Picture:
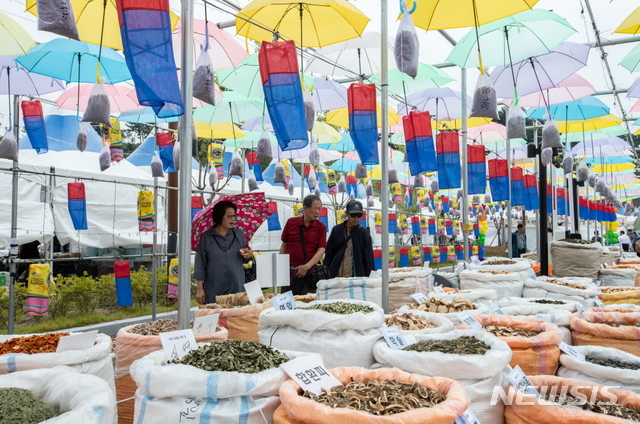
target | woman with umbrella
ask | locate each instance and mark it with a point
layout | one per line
(220, 254)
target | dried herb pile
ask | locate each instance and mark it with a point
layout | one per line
(466, 345)
(617, 289)
(43, 343)
(341, 308)
(440, 306)
(20, 406)
(624, 325)
(379, 396)
(501, 331)
(577, 241)
(501, 262)
(562, 283)
(304, 298)
(495, 272)
(234, 299)
(409, 322)
(234, 355)
(613, 363)
(549, 302)
(599, 406)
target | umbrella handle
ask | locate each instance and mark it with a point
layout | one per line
(403, 5)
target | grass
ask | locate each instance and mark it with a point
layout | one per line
(79, 320)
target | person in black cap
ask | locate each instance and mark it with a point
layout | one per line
(349, 250)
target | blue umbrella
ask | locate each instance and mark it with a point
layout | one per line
(62, 133)
(146, 115)
(345, 165)
(267, 175)
(144, 153)
(344, 145)
(75, 61)
(577, 110)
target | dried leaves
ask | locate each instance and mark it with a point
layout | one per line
(549, 302)
(44, 343)
(409, 322)
(341, 308)
(234, 355)
(466, 345)
(154, 328)
(613, 363)
(599, 406)
(20, 406)
(501, 331)
(440, 306)
(379, 397)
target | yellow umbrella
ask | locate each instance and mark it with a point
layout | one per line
(310, 23)
(15, 39)
(340, 117)
(592, 124)
(445, 14)
(457, 123)
(616, 167)
(205, 130)
(88, 14)
(326, 133)
(631, 24)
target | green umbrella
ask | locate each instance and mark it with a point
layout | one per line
(511, 39)
(609, 132)
(250, 140)
(428, 77)
(232, 107)
(631, 61)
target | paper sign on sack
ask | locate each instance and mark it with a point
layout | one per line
(394, 338)
(496, 309)
(419, 297)
(599, 303)
(79, 341)
(253, 291)
(507, 296)
(206, 324)
(520, 381)
(310, 374)
(469, 320)
(569, 350)
(476, 261)
(580, 310)
(426, 265)
(467, 417)
(284, 301)
(177, 344)
(598, 283)
(375, 274)
(532, 274)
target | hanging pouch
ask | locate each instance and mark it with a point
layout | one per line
(99, 107)
(583, 171)
(314, 155)
(485, 104)
(393, 176)
(550, 135)
(253, 184)
(279, 176)
(309, 109)
(361, 170)
(176, 155)
(264, 146)
(407, 46)
(516, 127)
(312, 179)
(342, 184)
(9, 147)
(235, 167)
(204, 84)
(83, 136)
(56, 16)
(105, 158)
(156, 167)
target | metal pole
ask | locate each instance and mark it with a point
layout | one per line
(154, 261)
(274, 272)
(554, 203)
(242, 180)
(543, 251)
(384, 193)
(13, 251)
(586, 184)
(184, 195)
(465, 176)
(49, 199)
(537, 172)
(509, 223)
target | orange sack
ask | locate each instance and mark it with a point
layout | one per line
(629, 296)
(296, 409)
(535, 355)
(242, 323)
(594, 330)
(537, 411)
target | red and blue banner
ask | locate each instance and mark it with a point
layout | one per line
(363, 122)
(324, 217)
(445, 204)
(499, 179)
(77, 204)
(415, 224)
(448, 158)
(165, 147)
(448, 226)
(517, 187)
(404, 256)
(273, 222)
(377, 258)
(583, 208)
(254, 165)
(420, 148)
(459, 252)
(283, 93)
(426, 254)
(363, 220)
(124, 292)
(393, 224)
(145, 27)
(560, 196)
(196, 205)
(476, 169)
(34, 125)
(531, 199)
(431, 225)
(352, 184)
(443, 254)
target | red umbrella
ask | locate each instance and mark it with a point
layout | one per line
(252, 212)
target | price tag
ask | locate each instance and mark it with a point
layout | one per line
(469, 320)
(420, 297)
(598, 289)
(496, 309)
(394, 338)
(426, 264)
(600, 303)
(253, 291)
(284, 301)
(606, 265)
(176, 344)
(569, 350)
(206, 324)
(310, 374)
(475, 260)
(506, 296)
(580, 310)
(438, 289)
(598, 283)
(532, 274)
(521, 382)
(79, 341)
(467, 417)
(375, 274)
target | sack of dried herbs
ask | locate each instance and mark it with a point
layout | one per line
(242, 323)
(172, 393)
(596, 329)
(603, 365)
(517, 265)
(358, 288)
(296, 409)
(456, 355)
(423, 275)
(546, 313)
(528, 409)
(536, 355)
(81, 398)
(551, 304)
(620, 295)
(344, 337)
(576, 289)
(564, 254)
(502, 282)
(448, 309)
(412, 322)
(483, 296)
(96, 360)
(617, 277)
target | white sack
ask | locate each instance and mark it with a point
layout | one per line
(522, 268)
(617, 277)
(541, 289)
(576, 260)
(357, 288)
(484, 296)
(510, 283)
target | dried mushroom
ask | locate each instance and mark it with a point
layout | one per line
(409, 322)
(501, 331)
(440, 306)
(598, 406)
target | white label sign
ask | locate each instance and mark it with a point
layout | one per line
(426, 264)
(598, 283)
(438, 289)
(394, 338)
(469, 320)
(79, 341)
(476, 261)
(521, 382)
(496, 309)
(569, 350)
(580, 310)
(467, 417)
(253, 291)
(375, 274)
(606, 265)
(600, 303)
(507, 296)
(598, 289)
(532, 274)
(310, 374)
(206, 324)
(420, 297)
(177, 344)
(284, 301)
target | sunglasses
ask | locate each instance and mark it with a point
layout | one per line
(356, 215)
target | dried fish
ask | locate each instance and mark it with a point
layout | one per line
(577, 241)
(379, 396)
(466, 345)
(613, 363)
(341, 308)
(409, 322)
(440, 306)
(617, 289)
(501, 331)
(598, 406)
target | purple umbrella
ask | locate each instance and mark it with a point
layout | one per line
(329, 95)
(540, 72)
(634, 90)
(24, 83)
(444, 104)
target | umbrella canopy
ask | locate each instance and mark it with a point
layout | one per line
(445, 14)
(572, 88)
(489, 133)
(15, 39)
(232, 107)
(631, 24)
(145, 116)
(310, 23)
(344, 144)
(577, 110)
(600, 147)
(250, 140)
(512, 39)
(325, 133)
(218, 131)
(23, 83)
(257, 123)
(631, 61)
(540, 72)
(75, 61)
(88, 15)
(328, 95)
(599, 168)
(443, 103)
(302, 155)
(118, 97)
(251, 213)
(62, 133)
(597, 134)
(589, 124)
(634, 92)
(340, 117)
(428, 77)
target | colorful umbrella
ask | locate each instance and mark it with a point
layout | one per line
(145, 115)
(589, 124)
(325, 133)
(15, 39)
(252, 212)
(75, 61)
(23, 83)
(631, 24)
(345, 144)
(444, 103)
(328, 95)
(310, 23)
(218, 131)
(489, 133)
(340, 117)
(634, 92)
(607, 132)
(428, 77)
(250, 140)
(577, 110)
(631, 61)
(118, 97)
(232, 107)
(572, 88)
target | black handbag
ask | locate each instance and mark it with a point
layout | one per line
(250, 273)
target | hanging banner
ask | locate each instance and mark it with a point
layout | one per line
(324, 217)
(124, 293)
(448, 157)
(531, 199)
(113, 136)
(172, 285)
(147, 212)
(419, 145)
(77, 204)
(363, 125)
(34, 125)
(215, 153)
(254, 165)
(476, 169)
(517, 187)
(37, 302)
(165, 147)
(273, 222)
(196, 205)
(499, 179)
(332, 181)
